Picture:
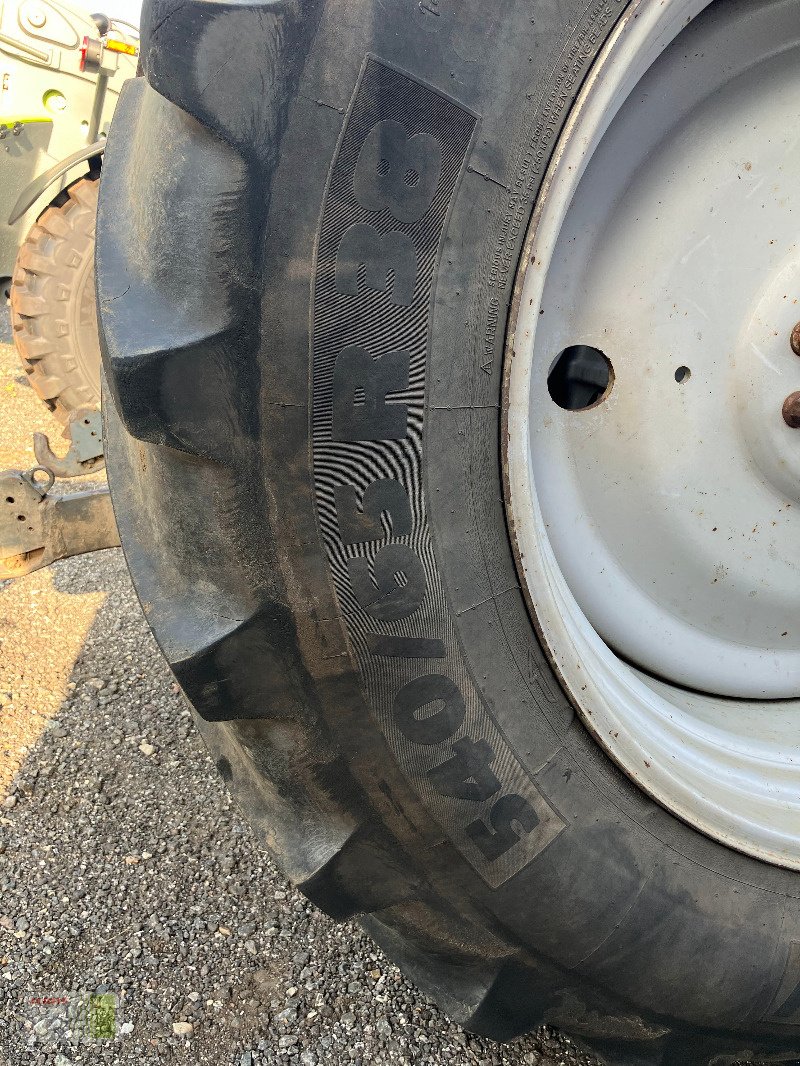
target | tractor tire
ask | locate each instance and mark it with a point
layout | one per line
(336, 215)
(53, 308)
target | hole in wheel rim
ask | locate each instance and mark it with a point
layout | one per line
(580, 378)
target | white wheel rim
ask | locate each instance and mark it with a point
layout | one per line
(675, 184)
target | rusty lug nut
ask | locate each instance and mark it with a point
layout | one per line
(794, 340)
(791, 410)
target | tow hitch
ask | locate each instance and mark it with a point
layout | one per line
(37, 528)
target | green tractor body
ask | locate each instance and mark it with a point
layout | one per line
(52, 103)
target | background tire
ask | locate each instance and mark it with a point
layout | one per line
(403, 748)
(53, 307)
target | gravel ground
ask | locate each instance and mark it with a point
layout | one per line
(125, 867)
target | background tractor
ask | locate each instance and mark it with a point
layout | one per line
(61, 71)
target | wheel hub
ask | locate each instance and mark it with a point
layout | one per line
(657, 517)
(672, 505)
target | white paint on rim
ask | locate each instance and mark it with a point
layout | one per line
(653, 132)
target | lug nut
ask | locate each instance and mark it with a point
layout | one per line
(791, 410)
(795, 339)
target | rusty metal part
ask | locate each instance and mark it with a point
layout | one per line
(794, 340)
(85, 454)
(791, 410)
(37, 529)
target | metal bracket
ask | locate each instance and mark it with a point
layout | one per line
(84, 431)
(36, 528)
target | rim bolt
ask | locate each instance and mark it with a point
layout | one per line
(791, 410)
(794, 340)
